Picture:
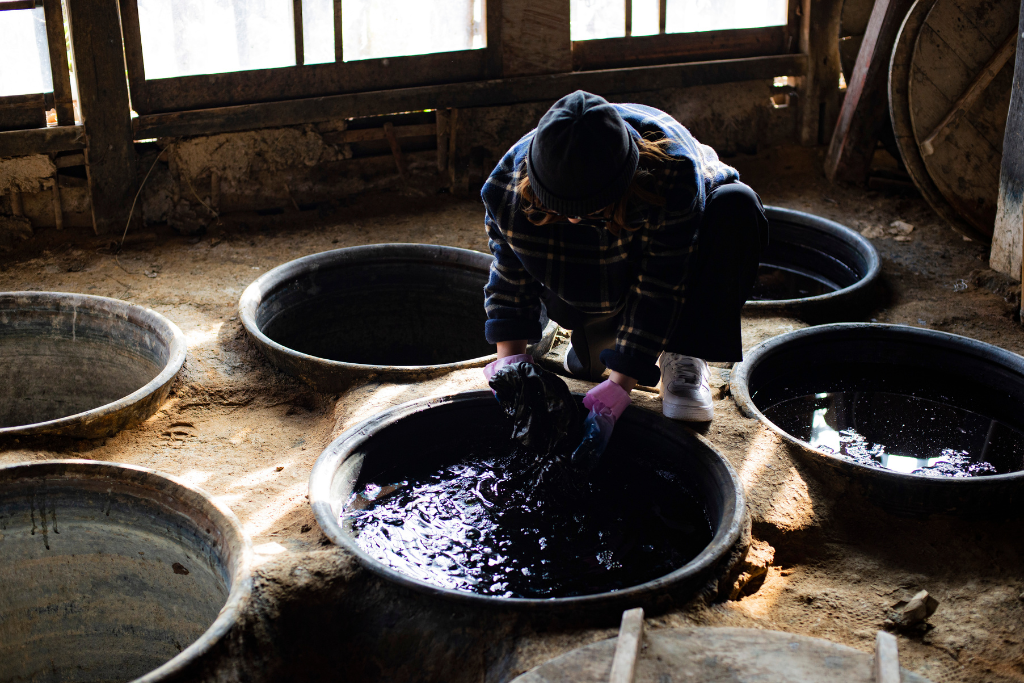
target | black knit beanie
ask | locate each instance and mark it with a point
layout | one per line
(582, 157)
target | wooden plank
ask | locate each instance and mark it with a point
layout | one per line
(864, 108)
(1007, 242)
(132, 32)
(103, 97)
(679, 47)
(627, 646)
(994, 19)
(662, 15)
(495, 11)
(474, 94)
(61, 76)
(971, 94)
(339, 41)
(18, 112)
(311, 80)
(16, 4)
(819, 92)
(886, 665)
(535, 37)
(371, 134)
(17, 143)
(396, 150)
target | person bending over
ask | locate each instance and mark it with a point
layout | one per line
(635, 237)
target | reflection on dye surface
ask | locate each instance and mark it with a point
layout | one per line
(775, 283)
(470, 526)
(900, 432)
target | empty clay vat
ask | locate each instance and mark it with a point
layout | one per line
(110, 572)
(387, 310)
(947, 411)
(738, 655)
(814, 268)
(82, 366)
(432, 432)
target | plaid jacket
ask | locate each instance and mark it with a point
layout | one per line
(642, 271)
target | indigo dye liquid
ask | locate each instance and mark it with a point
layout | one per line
(483, 525)
(910, 421)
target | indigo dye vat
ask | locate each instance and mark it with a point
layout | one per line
(926, 421)
(111, 572)
(814, 268)
(398, 311)
(431, 496)
(82, 366)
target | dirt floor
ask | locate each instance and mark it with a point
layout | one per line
(249, 435)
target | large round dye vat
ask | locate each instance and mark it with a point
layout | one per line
(82, 366)
(423, 434)
(111, 573)
(813, 267)
(389, 310)
(923, 421)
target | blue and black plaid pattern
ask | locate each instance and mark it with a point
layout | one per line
(641, 272)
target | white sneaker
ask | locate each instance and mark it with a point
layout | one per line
(685, 388)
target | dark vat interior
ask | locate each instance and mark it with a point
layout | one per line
(804, 260)
(402, 312)
(933, 414)
(98, 583)
(650, 478)
(59, 363)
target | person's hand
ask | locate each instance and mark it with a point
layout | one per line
(496, 365)
(606, 403)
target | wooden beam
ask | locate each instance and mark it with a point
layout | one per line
(865, 109)
(460, 95)
(819, 90)
(17, 143)
(339, 41)
(17, 4)
(18, 112)
(886, 665)
(371, 134)
(297, 25)
(628, 646)
(62, 97)
(662, 16)
(494, 11)
(1008, 234)
(103, 97)
(611, 53)
(133, 44)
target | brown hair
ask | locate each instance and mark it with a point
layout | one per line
(652, 153)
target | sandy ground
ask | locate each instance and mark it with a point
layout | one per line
(249, 436)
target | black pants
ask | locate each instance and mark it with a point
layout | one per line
(732, 235)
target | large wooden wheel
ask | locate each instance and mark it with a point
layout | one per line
(955, 42)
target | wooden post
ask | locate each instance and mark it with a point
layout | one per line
(453, 126)
(396, 150)
(58, 211)
(629, 18)
(443, 118)
(339, 51)
(535, 37)
(1008, 236)
(662, 15)
(297, 22)
(103, 97)
(59, 63)
(886, 667)
(819, 90)
(865, 109)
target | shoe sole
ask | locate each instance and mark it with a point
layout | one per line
(688, 413)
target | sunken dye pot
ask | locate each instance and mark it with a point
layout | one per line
(814, 268)
(82, 366)
(949, 375)
(391, 445)
(111, 573)
(394, 311)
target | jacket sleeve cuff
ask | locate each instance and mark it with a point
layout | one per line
(640, 368)
(511, 329)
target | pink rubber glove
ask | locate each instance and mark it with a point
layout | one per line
(496, 365)
(608, 399)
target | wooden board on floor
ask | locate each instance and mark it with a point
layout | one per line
(955, 42)
(719, 654)
(1008, 240)
(899, 111)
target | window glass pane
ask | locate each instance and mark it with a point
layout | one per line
(645, 17)
(24, 58)
(317, 31)
(685, 16)
(591, 19)
(392, 28)
(187, 37)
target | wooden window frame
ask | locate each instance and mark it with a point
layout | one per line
(670, 48)
(302, 81)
